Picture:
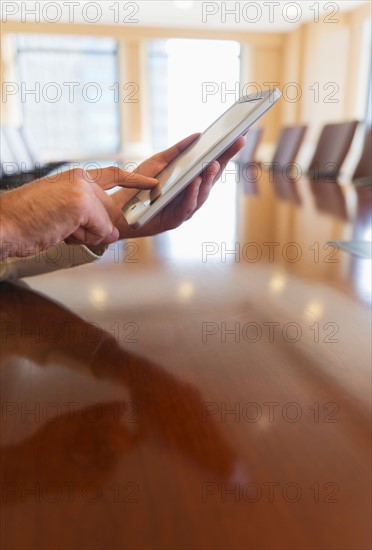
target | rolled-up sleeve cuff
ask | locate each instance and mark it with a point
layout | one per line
(55, 257)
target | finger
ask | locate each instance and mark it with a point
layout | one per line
(207, 183)
(210, 171)
(112, 237)
(113, 176)
(112, 207)
(231, 151)
(156, 163)
(169, 154)
(228, 154)
(97, 227)
(189, 201)
(74, 238)
(86, 237)
(123, 196)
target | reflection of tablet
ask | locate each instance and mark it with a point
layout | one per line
(192, 161)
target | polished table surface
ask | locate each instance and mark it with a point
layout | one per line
(205, 389)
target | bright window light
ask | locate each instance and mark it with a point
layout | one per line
(192, 82)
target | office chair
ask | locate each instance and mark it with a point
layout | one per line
(331, 150)
(363, 172)
(252, 140)
(20, 163)
(11, 172)
(288, 146)
(24, 153)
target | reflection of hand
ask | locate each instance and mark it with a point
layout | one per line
(187, 202)
(159, 402)
(72, 207)
(25, 334)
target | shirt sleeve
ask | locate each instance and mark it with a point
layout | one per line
(55, 257)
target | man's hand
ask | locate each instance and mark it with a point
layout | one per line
(75, 208)
(186, 203)
(72, 207)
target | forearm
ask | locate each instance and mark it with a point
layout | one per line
(9, 237)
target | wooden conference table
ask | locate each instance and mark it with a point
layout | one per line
(179, 396)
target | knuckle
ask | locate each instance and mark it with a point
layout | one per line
(77, 174)
(95, 240)
(80, 201)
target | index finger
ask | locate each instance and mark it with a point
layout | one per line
(114, 176)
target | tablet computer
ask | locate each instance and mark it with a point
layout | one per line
(196, 157)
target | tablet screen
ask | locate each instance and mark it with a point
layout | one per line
(196, 152)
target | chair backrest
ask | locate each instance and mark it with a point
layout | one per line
(18, 148)
(288, 146)
(364, 168)
(252, 141)
(332, 148)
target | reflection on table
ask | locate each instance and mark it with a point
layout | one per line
(208, 388)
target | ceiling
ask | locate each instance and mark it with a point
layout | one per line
(249, 16)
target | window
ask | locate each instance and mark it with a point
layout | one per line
(191, 83)
(363, 89)
(369, 102)
(68, 94)
(158, 93)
